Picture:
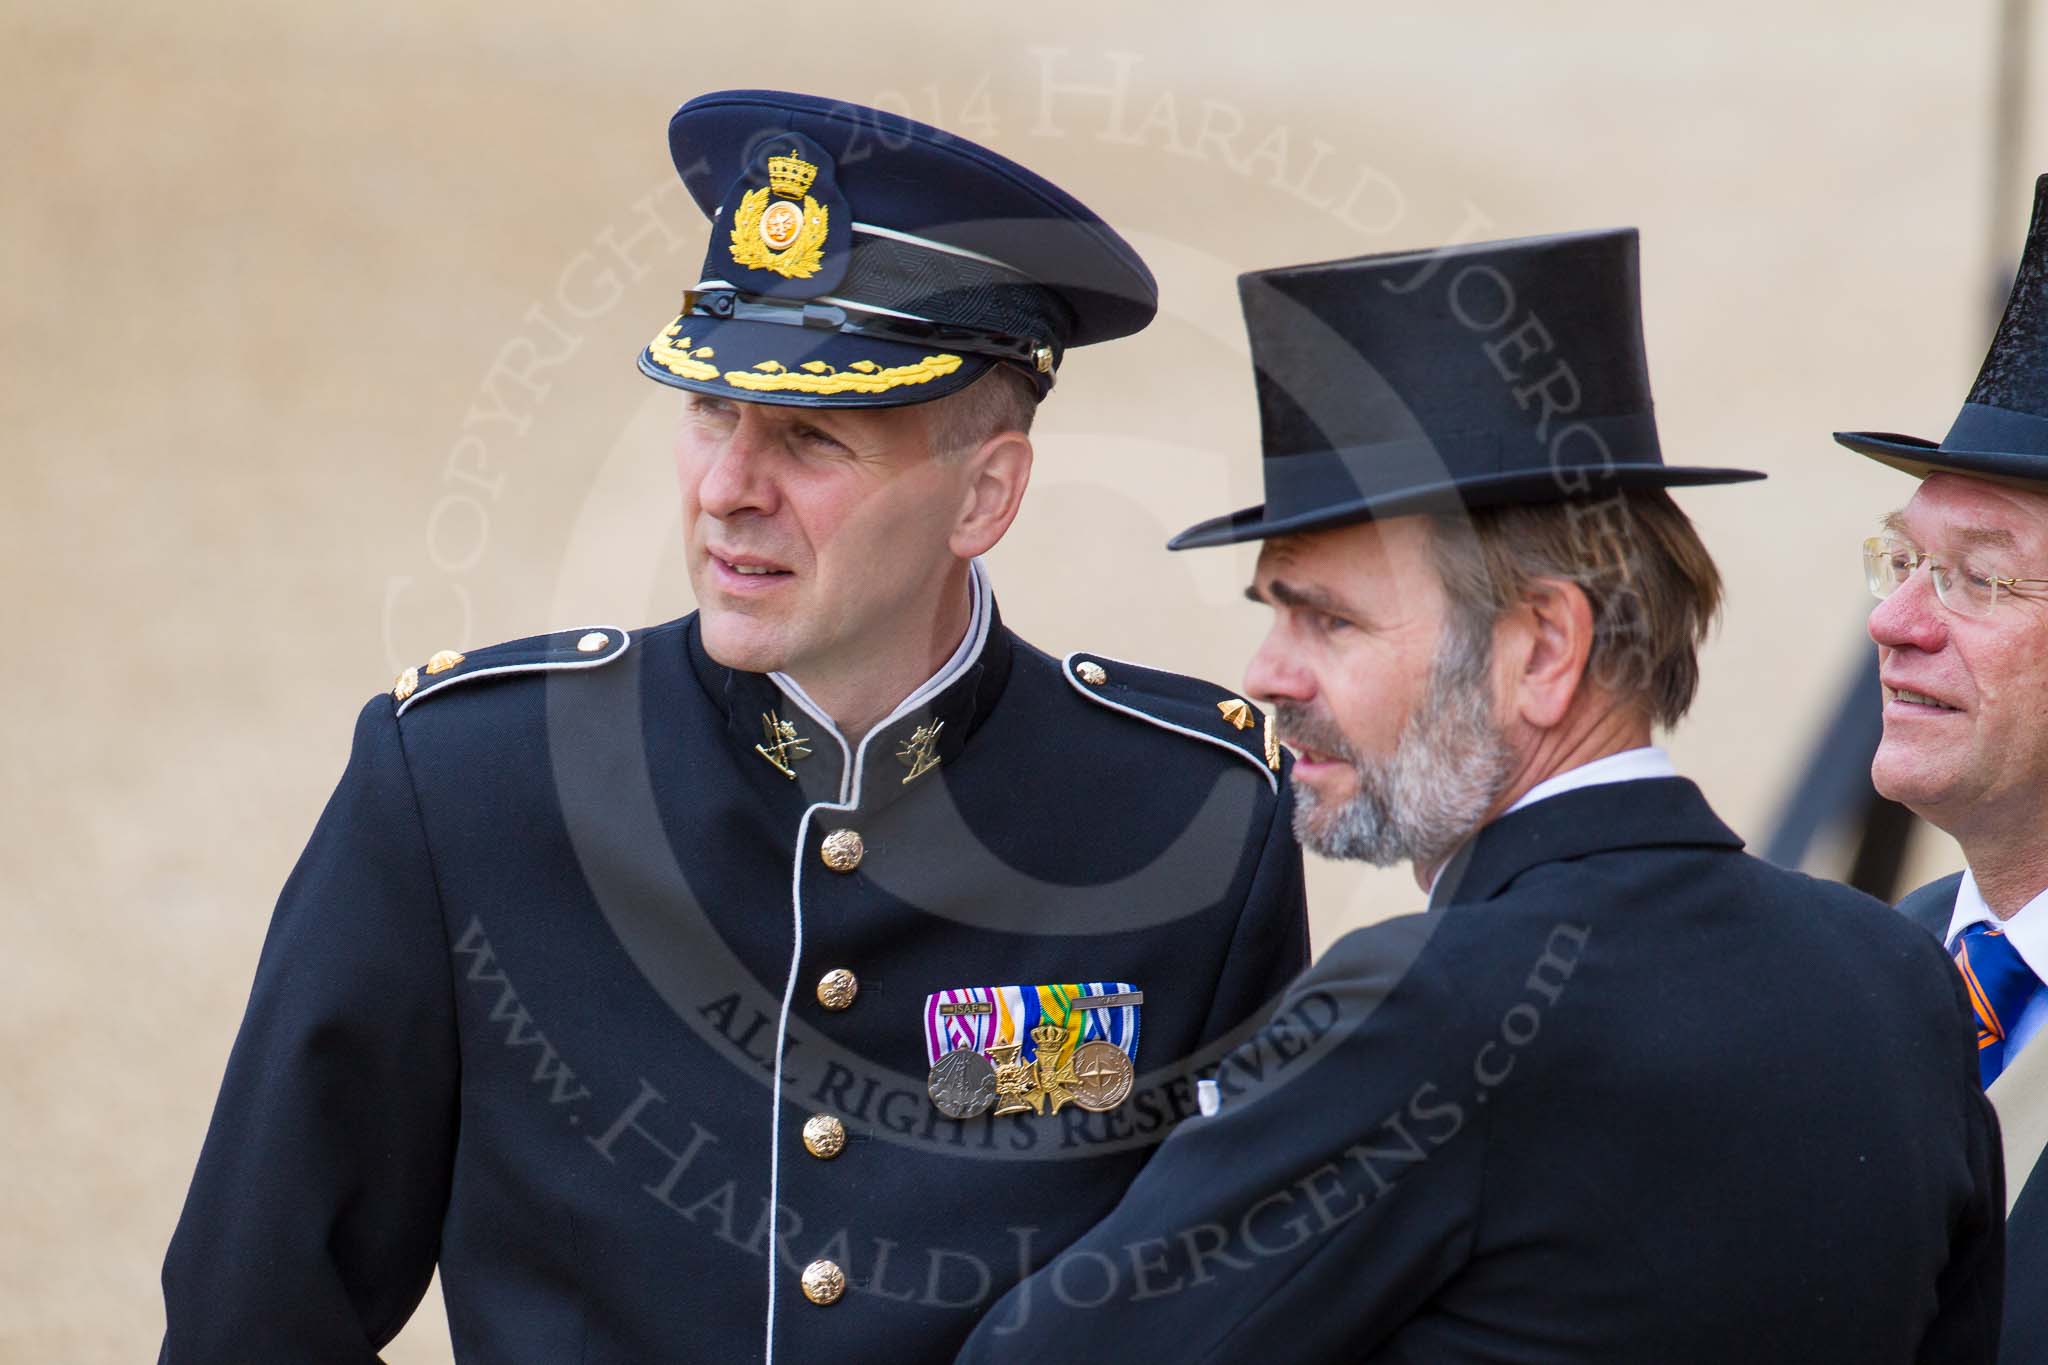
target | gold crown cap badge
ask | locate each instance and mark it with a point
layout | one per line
(791, 176)
(778, 226)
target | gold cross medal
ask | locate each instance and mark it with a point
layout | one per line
(1031, 1049)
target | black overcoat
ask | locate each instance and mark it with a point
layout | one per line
(1624, 1094)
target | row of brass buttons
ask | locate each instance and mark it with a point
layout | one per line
(824, 1135)
(824, 1138)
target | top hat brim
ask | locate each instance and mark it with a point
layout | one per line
(1918, 457)
(1523, 487)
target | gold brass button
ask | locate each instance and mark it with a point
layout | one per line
(837, 988)
(593, 642)
(824, 1136)
(443, 661)
(1092, 673)
(408, 683)
(842, 850)
(824, 1282)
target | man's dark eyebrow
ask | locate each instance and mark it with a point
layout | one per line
(1287, 595)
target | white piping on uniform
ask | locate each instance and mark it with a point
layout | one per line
(946, 248)
(1067, 667)
(970, 649)
(795, 692)
(796, 955)
(532, 666)
(849, 799)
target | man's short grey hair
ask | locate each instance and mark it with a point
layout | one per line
(1652, 586)
(1001, 400)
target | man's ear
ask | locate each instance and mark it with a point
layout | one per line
(997, 473)
(1552, 637)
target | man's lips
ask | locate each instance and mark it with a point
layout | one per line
(738, 572)
(1307, 760)
(1903, 700)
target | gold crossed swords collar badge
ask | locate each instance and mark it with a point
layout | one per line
(781, 745)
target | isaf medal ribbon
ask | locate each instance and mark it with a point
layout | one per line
(1031, 1049)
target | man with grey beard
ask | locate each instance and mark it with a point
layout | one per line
(1447, 765)
(1623, 1093)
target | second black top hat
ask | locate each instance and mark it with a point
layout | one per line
(2002, 431)
(1465, 377)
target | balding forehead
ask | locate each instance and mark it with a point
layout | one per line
(1968, 535)
(1969, 513)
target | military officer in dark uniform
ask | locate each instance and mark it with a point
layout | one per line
(1962, 647)
(786, 981)
(1623, 1093)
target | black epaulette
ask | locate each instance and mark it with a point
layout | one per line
(1188, 706)
(590, 647)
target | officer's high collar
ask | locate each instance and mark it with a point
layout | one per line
(936, 720)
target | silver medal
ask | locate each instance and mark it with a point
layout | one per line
(963, 1084)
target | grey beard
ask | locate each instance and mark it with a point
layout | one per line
(1448, 765)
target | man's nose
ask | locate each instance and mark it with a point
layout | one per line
(739, 477)
(1274, 674)
(1911, 618)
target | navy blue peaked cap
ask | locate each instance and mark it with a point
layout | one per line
(859, 258)
(2002, 432)
(1437, 381)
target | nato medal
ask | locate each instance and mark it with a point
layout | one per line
(962, 1084)
(1103, 1076)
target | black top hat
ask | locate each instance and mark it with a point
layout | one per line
(1460, 378)
(2002, 431)
(859, 258)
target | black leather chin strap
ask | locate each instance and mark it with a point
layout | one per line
(1035, 355)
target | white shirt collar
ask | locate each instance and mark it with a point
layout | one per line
(1630, 765)
(2026, 928)
(980, 600)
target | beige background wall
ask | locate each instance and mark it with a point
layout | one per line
(319, 326)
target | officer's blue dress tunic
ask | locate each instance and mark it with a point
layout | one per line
(521, 1005)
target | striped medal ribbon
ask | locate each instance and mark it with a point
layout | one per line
(1017, 1049)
